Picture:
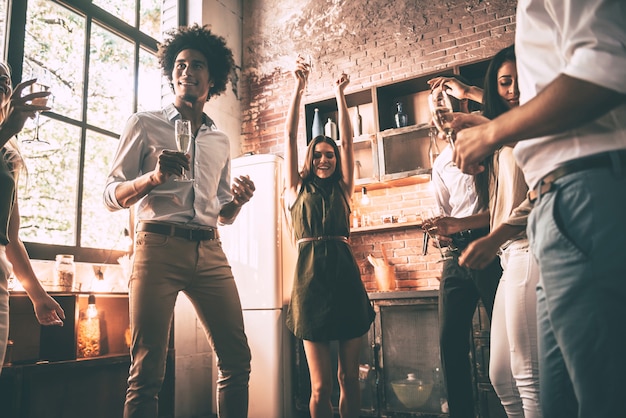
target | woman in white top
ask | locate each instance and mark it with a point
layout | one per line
(514, 363)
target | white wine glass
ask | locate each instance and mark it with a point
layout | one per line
(307, 60)
(38, 87)
(442, 113)
(183, 143)
(429, 216)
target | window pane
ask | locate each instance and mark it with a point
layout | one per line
(149, 82)
(101, 228)
(48, 193)
(54, 45)
(3, 28)
(123, 9)
(111, 80)
(150, 17)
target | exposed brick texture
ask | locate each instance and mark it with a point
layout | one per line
(376, 42)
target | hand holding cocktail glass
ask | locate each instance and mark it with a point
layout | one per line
(182, 130)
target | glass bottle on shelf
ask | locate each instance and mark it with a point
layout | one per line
(357, 123)
(401, 118)
(433, 148)
(330, 129)
(64, 273)
(355, 218)
(317, 129)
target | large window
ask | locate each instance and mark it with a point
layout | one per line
(97, 57)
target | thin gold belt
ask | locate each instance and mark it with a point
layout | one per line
(323, 238)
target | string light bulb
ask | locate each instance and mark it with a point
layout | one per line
(92, 311)
(365, 199)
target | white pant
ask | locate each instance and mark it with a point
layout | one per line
(514, 363)
(5, 272)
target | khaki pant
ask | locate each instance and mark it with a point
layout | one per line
(162, 267)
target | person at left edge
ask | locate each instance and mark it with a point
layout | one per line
(177, 246)
(15, 109)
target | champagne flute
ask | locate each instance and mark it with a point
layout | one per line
(442, 113)
(308, 63)
(429, 216)
(183, 143)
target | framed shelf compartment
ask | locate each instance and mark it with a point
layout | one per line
(403, 152)
(328, 109)
(412, 93)
(366, 160)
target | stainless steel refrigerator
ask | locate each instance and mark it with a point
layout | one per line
(262, 255)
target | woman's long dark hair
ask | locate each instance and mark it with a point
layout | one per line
(308, 171)
(493, 106)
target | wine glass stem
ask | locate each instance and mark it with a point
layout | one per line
(36, 127)
(450, 139)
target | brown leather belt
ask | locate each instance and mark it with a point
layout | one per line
(604, 160)
(179, 231)
(323, 238)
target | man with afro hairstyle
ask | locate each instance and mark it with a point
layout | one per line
(177, 246)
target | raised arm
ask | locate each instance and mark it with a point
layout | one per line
(292, 174)
(345, 133)
(457, 88)
(19, 109)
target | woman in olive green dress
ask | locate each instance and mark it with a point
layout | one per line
(329, 301)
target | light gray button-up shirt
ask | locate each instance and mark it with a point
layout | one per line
(194, 203)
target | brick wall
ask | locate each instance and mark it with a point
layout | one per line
(402, 244)
(376, 42)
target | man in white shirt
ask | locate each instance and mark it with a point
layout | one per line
(460, 289)
(177, 246)
(571, 128)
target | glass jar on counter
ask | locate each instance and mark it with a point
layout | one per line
(64, 273)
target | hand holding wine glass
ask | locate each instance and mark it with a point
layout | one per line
(183, 143)
(303, 69)
(39, 96)
(429, 218)
(442, 113)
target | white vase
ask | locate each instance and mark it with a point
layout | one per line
(330, 129)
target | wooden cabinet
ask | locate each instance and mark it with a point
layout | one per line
(33, 343)
(385, 152)
(46, 375)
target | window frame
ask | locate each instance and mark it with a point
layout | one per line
(15, 56)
